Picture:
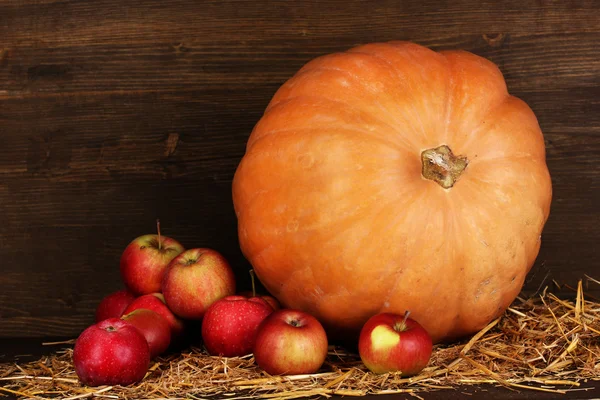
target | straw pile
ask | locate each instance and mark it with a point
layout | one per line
(544, 343)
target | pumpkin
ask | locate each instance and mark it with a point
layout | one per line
(391, 177)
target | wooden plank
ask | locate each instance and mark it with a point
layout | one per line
(48, 325)
(150, 20)
(566, 60)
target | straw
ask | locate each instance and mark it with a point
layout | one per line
(544, 343)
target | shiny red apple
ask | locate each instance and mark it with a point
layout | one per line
(290, 341)
(156, 302)
(272, 301)
(230, 324)
(153, 326)
(144, 261)
(394, 343)
(194, 280)
(113, 305)
(111, 352)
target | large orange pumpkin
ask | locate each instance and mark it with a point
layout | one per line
(391, 177)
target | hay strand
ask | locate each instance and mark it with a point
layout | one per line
(545, 343)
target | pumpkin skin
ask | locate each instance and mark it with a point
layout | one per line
(335, 212)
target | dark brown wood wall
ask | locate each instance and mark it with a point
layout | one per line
(114, 113)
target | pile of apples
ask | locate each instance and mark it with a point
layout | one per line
(170, 291)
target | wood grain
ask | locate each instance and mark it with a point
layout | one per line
(113, 114)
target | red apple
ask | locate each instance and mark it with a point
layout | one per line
(194, 280)
(230, 324)
(113, 305)
(112, 352)
(252, 293)
(272, 301)
(144, 261)
(156, 302)
(290, 341)
(392, 342)
(153, 326)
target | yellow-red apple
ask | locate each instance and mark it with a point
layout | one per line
(144, 261)
(194, 280)
(289, 342)
(394, 343)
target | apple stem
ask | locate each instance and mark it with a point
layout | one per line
(158, 230)
(406, 314)
(253, 284)
(401, 326)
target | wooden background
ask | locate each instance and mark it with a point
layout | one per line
(114, 113)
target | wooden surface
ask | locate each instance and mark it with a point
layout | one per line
(114, 113)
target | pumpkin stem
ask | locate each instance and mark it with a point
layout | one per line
(442, 166)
